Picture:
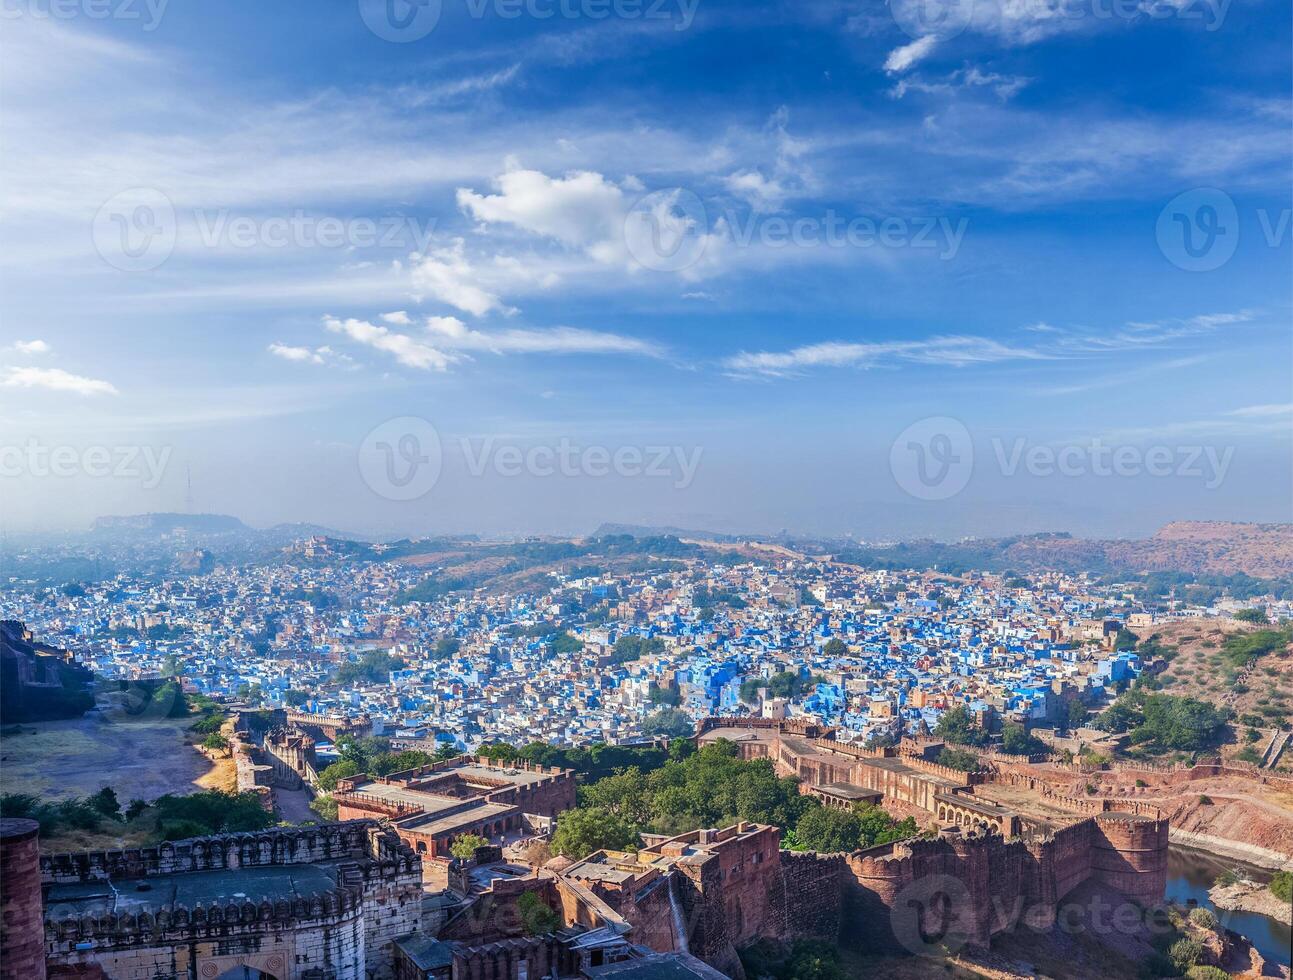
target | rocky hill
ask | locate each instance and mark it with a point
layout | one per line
(1216, 547)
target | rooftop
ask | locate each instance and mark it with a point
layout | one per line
(156, 892)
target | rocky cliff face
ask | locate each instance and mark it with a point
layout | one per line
(39, 682)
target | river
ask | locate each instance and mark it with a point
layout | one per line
(1189, 876)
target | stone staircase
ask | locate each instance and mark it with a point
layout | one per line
(1273, 751)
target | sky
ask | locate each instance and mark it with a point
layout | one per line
(927, 268)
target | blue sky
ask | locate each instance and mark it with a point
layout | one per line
(761, 242)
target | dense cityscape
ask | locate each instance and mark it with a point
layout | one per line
(612, 657)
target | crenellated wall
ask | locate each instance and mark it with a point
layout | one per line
(989, 881)
(347, 930)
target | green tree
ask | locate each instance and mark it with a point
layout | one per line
(582, 831)
(1016, 740)
(564, 642)
(537, 919)
(215, 742)
(1253, 615)
(464, 848)
(1281, 885)
(295, 699)
(668, 721)
(828, 830)
(338, 770)
(957, 725)
(105, 802)
(446, 647)
(632, 647)
(835, 647)
(960, 759)
(325, 806)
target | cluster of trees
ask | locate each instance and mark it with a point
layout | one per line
(373, 755)
(711, 787)
(958, 725)
(803, 960)
(168, 817)
(446, 647)
(1240, 648)
(1165, 722)
(373, 667)
(1017, 740)
(830, 830)
(630, 648)
(669, 722)
(592, 762)
(705, 599)
(1281, 886)
(961, 759)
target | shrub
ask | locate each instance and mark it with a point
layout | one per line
(1205, 800)
(1185, 953)
(1281, 885)
(1203, 918)
(1206, 973)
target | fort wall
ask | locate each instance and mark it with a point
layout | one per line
(22, 952)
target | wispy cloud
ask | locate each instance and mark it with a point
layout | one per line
(951, 351)
(30, 347)
(54, 379)
(902, 58)
(1263, 411)
(446, 339)
(1053, 343)
(405, 349)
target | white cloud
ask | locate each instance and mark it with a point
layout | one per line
(900, 59)
(757, 190)
(289, 353)
(55, 379)
(405, 349)
(449, 276)
(31, 347)
(397, 319)
(582, 209)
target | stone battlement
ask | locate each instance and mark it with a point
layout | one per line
(355, 840)
(177, 923)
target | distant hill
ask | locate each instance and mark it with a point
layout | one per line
(165, 523)
(643, 531)
(1216, 549)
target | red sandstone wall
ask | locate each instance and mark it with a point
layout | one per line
(22, 916)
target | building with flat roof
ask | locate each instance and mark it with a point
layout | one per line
(430, 807)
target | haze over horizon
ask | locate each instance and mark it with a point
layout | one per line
(733, 268)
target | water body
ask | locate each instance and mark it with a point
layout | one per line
(1189, 876)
